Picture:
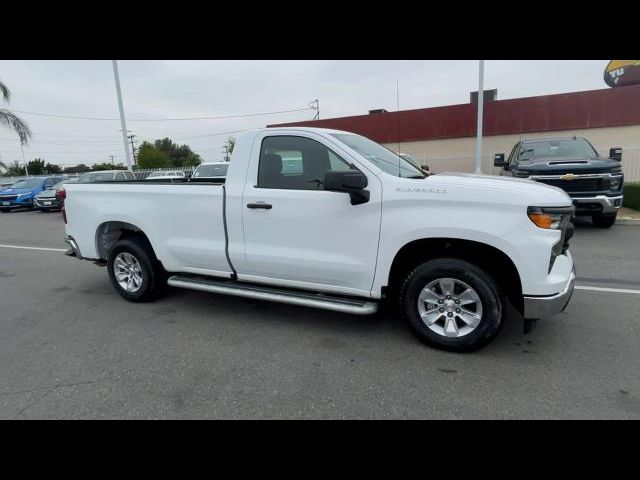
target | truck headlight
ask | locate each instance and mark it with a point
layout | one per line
(549, 218)
(615, 183)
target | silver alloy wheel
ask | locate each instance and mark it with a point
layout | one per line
(450, 307)
(128, 272)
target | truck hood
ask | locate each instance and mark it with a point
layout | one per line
(559, 166)
(499, 189)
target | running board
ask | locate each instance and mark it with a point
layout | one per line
(258, 292)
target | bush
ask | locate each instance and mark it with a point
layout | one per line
(632, 195)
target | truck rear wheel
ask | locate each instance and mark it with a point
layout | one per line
(604, 221)
(134, 271)
(452, 304)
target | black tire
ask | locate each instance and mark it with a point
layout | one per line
(604, 221)
(152, 273)
(491, 299)
(5, 210)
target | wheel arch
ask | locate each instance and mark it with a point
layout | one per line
(108, 233)
(491, 259)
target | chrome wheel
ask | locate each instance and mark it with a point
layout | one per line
(128, 272)
(450, 307)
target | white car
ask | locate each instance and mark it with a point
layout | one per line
(343, 227)
(211, 170)
(166, 175)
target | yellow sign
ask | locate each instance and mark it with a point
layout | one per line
(620, 73)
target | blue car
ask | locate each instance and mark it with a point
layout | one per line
(22, 193)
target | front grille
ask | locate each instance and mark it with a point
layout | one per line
(8, 198)
(577, 185)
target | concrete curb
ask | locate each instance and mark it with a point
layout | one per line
(628, 221)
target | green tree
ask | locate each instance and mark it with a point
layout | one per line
(9, 119)
(107, 166)
(80, 168)
(52, 169)
(36, 167)
(179, 155)
(149, 156)
(14, 169)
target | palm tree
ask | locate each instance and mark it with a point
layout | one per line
(9, 119)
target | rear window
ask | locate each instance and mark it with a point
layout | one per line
(96, 177)
(211, 170)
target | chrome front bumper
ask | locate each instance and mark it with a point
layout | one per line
(542, 307)
(609, 204)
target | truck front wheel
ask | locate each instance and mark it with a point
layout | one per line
(134, 271)
(452, 304)
(604, 221)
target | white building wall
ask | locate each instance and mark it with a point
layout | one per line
(458, 154)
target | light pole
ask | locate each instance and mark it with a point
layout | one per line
(480, 112)
(116, 76)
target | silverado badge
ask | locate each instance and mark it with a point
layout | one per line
(568, 176)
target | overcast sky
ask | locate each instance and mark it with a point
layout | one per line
(174, 89)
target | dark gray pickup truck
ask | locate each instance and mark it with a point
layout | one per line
(572, 164)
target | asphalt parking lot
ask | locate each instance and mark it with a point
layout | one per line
(70, 347)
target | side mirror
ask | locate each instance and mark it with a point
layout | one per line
(616, 153)
(425, 168)
(498, 160)
(352, 182)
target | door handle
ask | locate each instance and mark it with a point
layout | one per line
(263, 205)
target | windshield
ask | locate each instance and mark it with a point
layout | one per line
(550, 149)
(380, 156)
(28, 183)
(219, 170)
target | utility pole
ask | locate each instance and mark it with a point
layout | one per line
(133, 148)
(112, 159)
(315, 105)
(480, 112)
(123, 123)
(23, 159)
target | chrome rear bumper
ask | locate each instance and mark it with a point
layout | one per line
(542, 307)
(74, 250)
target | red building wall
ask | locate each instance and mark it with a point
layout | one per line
(568, 111)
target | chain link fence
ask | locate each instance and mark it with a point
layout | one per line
(144, 173)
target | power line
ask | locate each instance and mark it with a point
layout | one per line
(60, 143)
(211, 134)
(161, 119)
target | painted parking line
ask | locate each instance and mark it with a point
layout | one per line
(577, 287)
(21, 247)
(605, 289)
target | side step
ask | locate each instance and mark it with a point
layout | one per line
(259, 292)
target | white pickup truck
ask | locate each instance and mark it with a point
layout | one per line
(333, 220)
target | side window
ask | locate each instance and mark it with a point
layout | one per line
(296, 163)
(120, 176)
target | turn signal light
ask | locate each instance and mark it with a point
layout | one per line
(543, 220)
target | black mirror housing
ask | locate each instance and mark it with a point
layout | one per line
(498, 160)
(616, 153)
(352, 182)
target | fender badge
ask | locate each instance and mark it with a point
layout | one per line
(568, 176)
(421, 190)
